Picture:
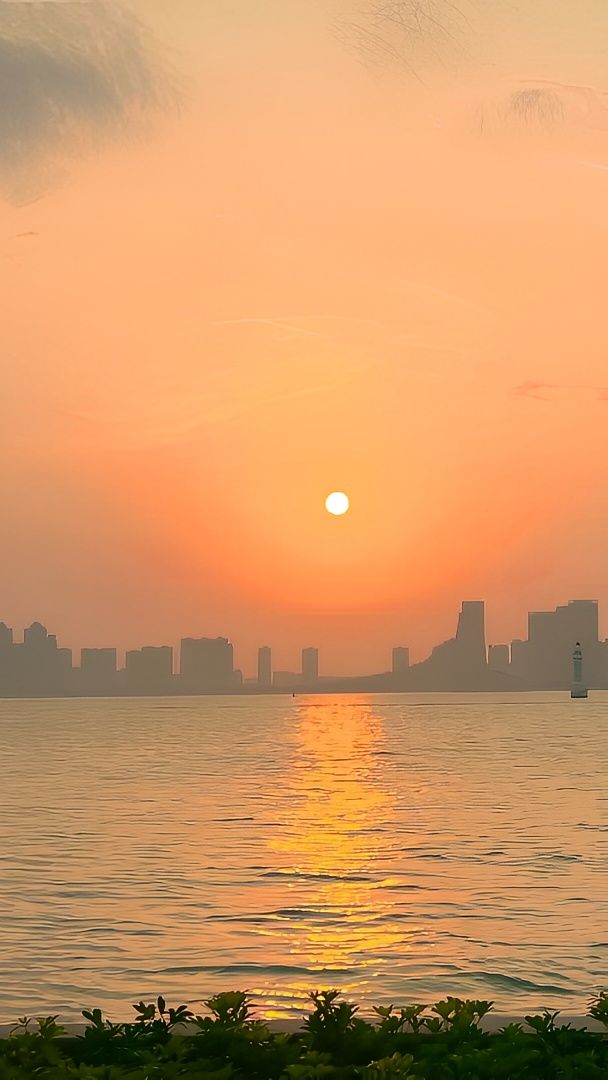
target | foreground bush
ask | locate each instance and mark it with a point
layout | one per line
(439, 1042)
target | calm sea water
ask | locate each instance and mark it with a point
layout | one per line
(398, 848)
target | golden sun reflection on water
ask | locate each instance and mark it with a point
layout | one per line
(395, 850)
(338, 814)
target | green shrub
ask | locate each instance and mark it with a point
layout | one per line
(443, 1041)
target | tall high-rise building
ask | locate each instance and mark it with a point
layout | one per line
(149, 670)
(37, 638)
(582, 615)
(471, 634)
(519, 659)
(40, 667)
(265, 667)
(310, 666)
(206, 664)
(98, 671)
(7, 654)
(401, 660)
(461, 662)
(552, 636)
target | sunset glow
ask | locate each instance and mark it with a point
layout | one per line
(394, 295)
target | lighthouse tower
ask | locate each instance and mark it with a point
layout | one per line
(579, 690)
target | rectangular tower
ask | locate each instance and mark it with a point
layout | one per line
(149, 670)
(310, 666)
(401, 660)
(207, 664)
(98, 671)
(471, 635)
(265, 667)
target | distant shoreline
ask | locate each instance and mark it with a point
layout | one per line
(311, 691)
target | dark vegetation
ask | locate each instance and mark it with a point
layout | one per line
(419, 1042)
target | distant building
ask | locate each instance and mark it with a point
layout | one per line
(499, 658)
(461, 662)
(546, 655)
(37, 638)
(40, 668)
(519, 659)
(98, 671)
(401, 660)
(206, 665)
(310, 666)
(6, 659)
(471, 634)
(149, 670)
(286, 680)
(265, 667)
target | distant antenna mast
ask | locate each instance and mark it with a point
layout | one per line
(579, 690)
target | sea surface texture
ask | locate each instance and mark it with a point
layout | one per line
(397, 848)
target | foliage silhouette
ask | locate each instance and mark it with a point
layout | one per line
(443, 1041)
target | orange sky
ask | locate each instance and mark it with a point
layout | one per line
(320, 275)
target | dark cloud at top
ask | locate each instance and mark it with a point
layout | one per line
(71, 72)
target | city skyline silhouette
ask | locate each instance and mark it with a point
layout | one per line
(37, 666)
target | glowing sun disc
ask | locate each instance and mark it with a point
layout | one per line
(337, 503)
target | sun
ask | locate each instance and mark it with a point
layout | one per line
(337, 503)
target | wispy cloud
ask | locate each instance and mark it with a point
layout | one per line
(543, 391)
(597, 165)
(338, 327)
(532, 389)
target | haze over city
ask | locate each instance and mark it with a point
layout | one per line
(304, 249)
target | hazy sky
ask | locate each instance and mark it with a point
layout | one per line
(254, 251)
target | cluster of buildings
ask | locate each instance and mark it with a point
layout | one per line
(543, 661)
(37, 667)
(543, 658)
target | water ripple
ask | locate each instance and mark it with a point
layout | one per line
(399, 848)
